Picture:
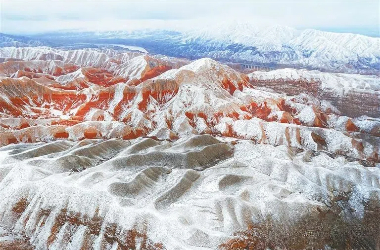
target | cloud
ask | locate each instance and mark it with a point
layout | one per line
(26, 16)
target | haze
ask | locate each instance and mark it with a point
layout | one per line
(26, 17)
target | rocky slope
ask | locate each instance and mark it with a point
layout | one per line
(151, 152)
(105, 94)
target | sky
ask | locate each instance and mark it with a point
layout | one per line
(38, 16)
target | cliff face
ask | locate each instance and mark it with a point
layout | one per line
(129, 143)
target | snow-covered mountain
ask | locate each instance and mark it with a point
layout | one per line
(277, 46)
(114, 149)
(17, 41)
(166, 97)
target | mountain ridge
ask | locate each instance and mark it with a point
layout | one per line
(243, 43)
(92, 93)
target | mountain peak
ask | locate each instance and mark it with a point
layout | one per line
(202, 64)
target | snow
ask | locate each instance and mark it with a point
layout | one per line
(65, 79)
(133, 68)
(267, 181)
(315, 48)
(82, 57)
(135, 48)
(307, 115)
(367, 123)
(119, 94)
(249, 129)
(261, 44)
(338, 82)
(129, 47)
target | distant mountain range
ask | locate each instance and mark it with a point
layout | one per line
(276, 46)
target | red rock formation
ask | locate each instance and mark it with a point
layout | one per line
(101, 77)
(202, 97)
(351, 127)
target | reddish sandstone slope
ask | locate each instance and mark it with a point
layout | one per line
(48, 94)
